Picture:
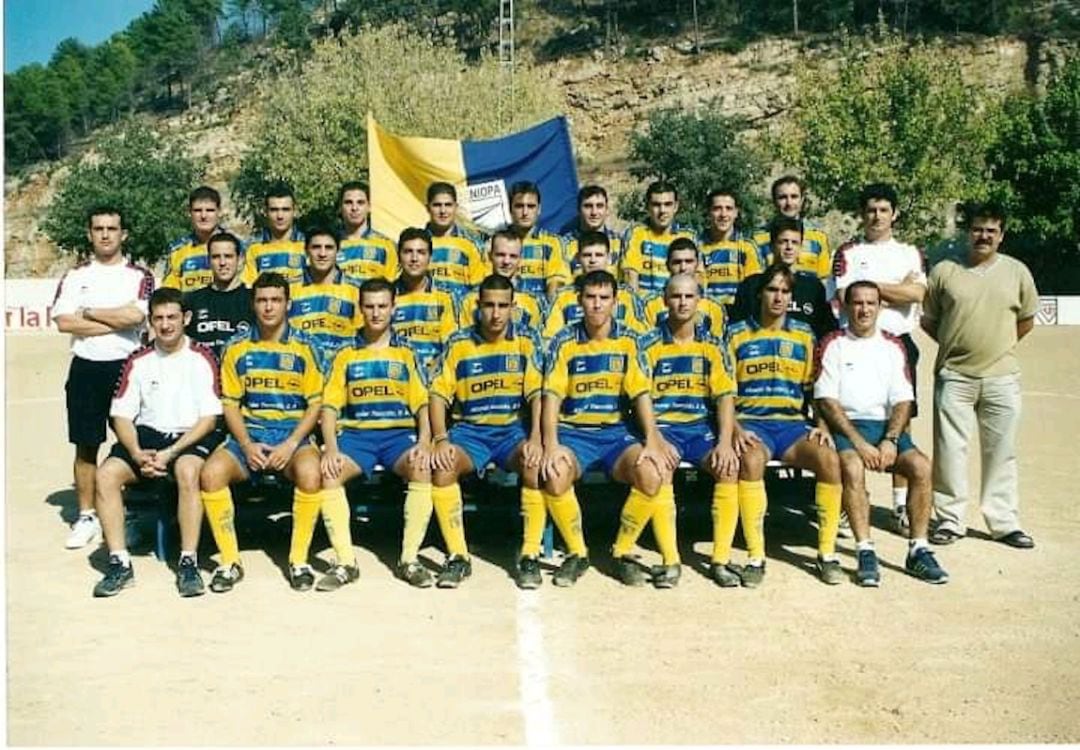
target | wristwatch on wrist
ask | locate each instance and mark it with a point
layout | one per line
(892, 439)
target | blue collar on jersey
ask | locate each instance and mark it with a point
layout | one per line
(474, 331)
(287, 335)
(700, 332)
(618, 330)
(336, 276)
(395, 340)
(399, 285)
(294, 236)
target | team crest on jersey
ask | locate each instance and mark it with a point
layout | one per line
(513, 364)
(787, 349)
(395, 370)
(287, 361)
(699, 366)
(334, 307)
(431, 314)
(294, 261)
(616, 363)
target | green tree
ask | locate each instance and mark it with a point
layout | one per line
(36, 115)
(1035, 166)
(891, 112)
(697, 152)
(138, 171)
(310, 129)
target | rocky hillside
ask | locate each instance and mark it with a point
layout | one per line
(605, 99)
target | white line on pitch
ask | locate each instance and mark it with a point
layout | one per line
(1051, 394)
(38, 400)
(536, 706)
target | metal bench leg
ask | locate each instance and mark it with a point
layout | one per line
(549, 539)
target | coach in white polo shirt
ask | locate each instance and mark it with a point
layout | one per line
(102, 304)
(897, 269)
(864, 392)
(164, 411)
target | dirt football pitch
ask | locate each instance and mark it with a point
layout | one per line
(993, 656)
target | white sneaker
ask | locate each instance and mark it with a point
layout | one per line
(900, 521)
(843, 530)
(86, 530)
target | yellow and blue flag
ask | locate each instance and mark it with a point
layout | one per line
(401, 168)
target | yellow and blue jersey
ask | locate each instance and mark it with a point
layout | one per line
(187, 265)
(774, 369)
(369, 256)
(425, 319)
(488, 383)
(285, 256)
(595, 379)
(529, 309)
(272, 382)
(728, 262)
(542, 260)
(710, 314)
(570, 249)
(815, 257)
(566, 310)
(646, 252)
(328, 313)
(457, 261)
(375, 388)
(688, 377)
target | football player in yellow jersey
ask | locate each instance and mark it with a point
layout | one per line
(728, 255)
(490, 377)
(280, 246)
(683, 257)
(645, 246)
(789, 198)
(505, 258)
(594, 370)
(375, 412)
(592, 217)
(424, 315)
(773, 357)
(364, 253)
(271, 389)
(325, 303)
(543, 262)
(692, 390)
(187, 265)
(594, 254)
(457, 255)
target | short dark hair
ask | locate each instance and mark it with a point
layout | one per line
(270, 280)
(319, 231)
(353, 185)
(438, 188)
(717, 192)
(788, 179)
(590, 191)
(414, 233)
(681, 243)
(987, 210)
(280, 189)
(104, 209)
(524, 187)
(591, 237)
(229, 237)
(204, 193)
(597, 278)
(166, 295)
(494, 283)
(783, 224)
(770, 273)
(877, 191)
(660, 186)
(861, 284)
(377, 284)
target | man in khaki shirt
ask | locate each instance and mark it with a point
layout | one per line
(977, 309)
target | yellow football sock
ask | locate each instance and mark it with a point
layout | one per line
(752, 504)
(636, 512)
(447, 502)
(566, 513)
(664, 525)
(335, 515)
(535, 517)
(725, 517)
(305, 514)
(418, 507)
(827, 498)
(220, 514)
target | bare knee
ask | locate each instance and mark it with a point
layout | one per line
(215, 474)
(828, 466)
(186, 470)
(646, 478)
(852, 471)
(918, 468)
(443, 478)
(752, 465)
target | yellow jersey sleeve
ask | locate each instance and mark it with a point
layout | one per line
(312, 382)
(444, 385)
(418, 392)
(334, 390)
(638, 378)
(232, 389)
